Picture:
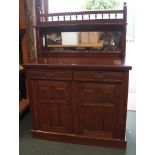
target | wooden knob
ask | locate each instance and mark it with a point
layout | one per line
(52, 75)
(98, 77)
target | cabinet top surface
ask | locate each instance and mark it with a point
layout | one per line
(79, 63)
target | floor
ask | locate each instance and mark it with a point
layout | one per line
(32, 146)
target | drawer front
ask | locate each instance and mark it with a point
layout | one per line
(98, 76)
(51, 74)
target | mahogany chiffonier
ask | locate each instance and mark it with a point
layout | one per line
(78, 92)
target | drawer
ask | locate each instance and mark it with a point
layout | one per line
(98, 76)
(51, 74)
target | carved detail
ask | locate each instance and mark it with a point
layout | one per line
(52, 94)
(97, 95)
(97, 109)
(54, 110)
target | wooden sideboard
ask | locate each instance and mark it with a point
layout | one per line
(75, 101)
(79, 96)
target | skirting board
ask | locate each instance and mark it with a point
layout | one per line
(77, 139)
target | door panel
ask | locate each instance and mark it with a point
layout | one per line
(54, 106)
(97, 108)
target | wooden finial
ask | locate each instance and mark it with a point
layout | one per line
(125, 7)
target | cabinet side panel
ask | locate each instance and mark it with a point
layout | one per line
(123, 99)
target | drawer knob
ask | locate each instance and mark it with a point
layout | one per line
(98, 77)
(50, 75)
(47, 74)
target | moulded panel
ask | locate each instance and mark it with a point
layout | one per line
(54, 107)
(97, 106)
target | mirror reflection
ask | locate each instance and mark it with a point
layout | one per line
(83, 41)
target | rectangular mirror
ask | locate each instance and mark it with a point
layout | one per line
(82, 41)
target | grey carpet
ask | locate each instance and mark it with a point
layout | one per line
(32, 146)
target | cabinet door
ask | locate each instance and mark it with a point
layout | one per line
(52, 105)
(97, 103)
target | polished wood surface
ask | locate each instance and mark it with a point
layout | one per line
(109, 63)
(53, 106)
(84, 99)
(79, 96)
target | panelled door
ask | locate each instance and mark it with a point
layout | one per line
(97, 109)
(98, 103)
(53, 105)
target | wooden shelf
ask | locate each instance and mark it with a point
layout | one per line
(97, 45)
(23, 105)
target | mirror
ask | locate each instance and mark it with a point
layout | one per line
(82, 41)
